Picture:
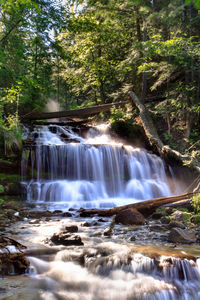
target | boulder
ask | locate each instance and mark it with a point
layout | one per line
(181, 216)
(178, 235)
(107, 231)
(72, 228)
(66, 214)
(176, 224)
(86, 224)
(66, 239)
(165, 220)
(130, 216)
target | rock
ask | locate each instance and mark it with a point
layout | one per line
(39, 214)
(168, 210)
(66, 239)
(10, 212)
(130, 216)
(132, 238)
(195, 219)
(157, 215)
(34, 221)
(181, 216)
(14, 263)
(101, 220)
(72, 228)
(86, 224)
(157, 227)
(94, 223)
(165, 220)
(176, 224)
(57, 212)
(66, 214)
(107, 231)
(178, 235)
(84, 213)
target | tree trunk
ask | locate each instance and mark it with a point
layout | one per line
(151, 133)
(145, 207)
(73, 113)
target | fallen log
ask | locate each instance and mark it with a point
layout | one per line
(145, 207)
(74, 112)
(151, 133)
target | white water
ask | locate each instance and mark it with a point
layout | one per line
(96, 171)
(111, 271)
(99, 171)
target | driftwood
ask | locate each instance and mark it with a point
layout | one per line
(144, 207)
(151, 133)
(74, 112)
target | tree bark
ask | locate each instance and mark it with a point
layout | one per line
(73, 113)
(144, 207)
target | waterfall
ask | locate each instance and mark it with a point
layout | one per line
(98, 171)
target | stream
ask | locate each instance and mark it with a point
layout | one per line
(65, 170)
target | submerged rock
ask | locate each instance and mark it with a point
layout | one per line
(130, 216)
(178, 235)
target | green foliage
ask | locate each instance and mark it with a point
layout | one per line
(1, 188)
(196, 202)
(122, 123)
(195, 219)
(1, 202)
(4, 178)
(11, 135)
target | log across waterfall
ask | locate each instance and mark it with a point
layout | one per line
(91, 172)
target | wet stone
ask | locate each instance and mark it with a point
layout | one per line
(107, 231)
(34, 221)
(101, 220)
(157, 215)
(86, 224)
(72, 228)
(130, 217)
(66, 239)
(157, 228)
(165, 220)
(178, 235)
(66, 214)
(176, 224)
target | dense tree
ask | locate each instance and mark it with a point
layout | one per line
(94, 51)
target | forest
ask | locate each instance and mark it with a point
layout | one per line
(84, 53)
(100, 194)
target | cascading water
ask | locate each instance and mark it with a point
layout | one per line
(95, 171)
(111, 271)
(61, 170)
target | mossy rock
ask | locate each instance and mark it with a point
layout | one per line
(162, 211)
(126, 128)
(195, 219)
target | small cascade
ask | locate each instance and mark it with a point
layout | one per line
(120, 275)
(68, 170)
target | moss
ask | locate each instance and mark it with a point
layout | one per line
(195, 219)
(5, 178)
(126, 128)
(161, 211)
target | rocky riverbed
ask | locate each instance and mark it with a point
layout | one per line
(169, 232)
